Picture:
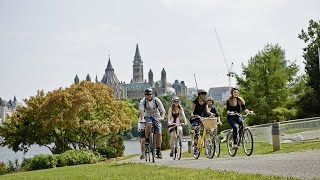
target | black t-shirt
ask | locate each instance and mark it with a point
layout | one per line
(199, 109)
(235, 108)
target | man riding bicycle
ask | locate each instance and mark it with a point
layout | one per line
(151, 111)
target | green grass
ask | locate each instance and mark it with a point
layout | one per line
(130, 171)
(266, 148)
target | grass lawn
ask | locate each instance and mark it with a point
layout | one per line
(266, 148)
(113, 170)
(130, 171)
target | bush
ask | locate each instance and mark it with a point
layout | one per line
(41, 161)
(107, 151)
(3, 168)
(61, 160)
(75, 157)
(165, 139)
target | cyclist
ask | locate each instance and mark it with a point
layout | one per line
(151, 111)
(199, 109)
(175, 116)
(212, 109)
(233, 110)
(141, 129)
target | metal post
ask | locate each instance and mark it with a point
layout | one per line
(276, 136)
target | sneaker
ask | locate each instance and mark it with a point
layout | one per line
(195, 151)
(235, 146)
(171, 153)
(142, 156)
(159, 155)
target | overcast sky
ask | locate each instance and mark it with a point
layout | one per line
(45, 43)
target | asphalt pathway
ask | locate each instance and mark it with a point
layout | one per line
(305, 165)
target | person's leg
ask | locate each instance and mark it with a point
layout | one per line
(172, 140)
(142, 141)
(234, 128)
(157, 129)
(148, 129)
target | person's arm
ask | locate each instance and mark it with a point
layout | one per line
(183, 117)
(228, 108)
(215, 111)
(208, 112)
(169, 116)
(141, 109)
(192, 109)
(161, 108)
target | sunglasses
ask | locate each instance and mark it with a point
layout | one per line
(148, 94)
(176, 101)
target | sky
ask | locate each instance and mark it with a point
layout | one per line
(44, 44)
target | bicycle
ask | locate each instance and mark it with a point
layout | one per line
(151, 147)
(244, 138)
(209, 124)
(177, 146)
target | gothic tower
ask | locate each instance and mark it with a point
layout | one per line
(137, 67)
(163, 81)
(150, 78)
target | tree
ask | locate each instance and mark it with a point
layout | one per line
(265, 85)
(311, 102)
(77, 117)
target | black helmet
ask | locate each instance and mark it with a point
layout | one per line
(202, 91)
(148, 91)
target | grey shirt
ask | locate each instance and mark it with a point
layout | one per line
(151, 108)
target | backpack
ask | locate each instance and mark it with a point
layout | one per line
(155, 102)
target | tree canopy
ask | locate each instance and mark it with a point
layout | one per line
(266, 84)
(311, 102)
(77, 117)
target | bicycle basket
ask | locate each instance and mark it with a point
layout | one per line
(209, 123)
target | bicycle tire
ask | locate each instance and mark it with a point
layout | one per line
(232, 152)
(178, 148)
(247, 141)
(217, 144)
(210, 146)
(152, 147)
(147, 152)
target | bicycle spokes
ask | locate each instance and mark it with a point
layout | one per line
(247, 142)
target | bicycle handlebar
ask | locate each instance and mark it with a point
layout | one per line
(232, 113)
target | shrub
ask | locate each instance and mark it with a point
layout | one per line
(61, 160)
(41, 161)
(3, 168)
(165, 139)
(107, 151)
(75, 157)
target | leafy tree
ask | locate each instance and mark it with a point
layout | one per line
(77, 117)
(310, 104)
(266, 83)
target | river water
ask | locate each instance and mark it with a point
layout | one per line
(132, 147)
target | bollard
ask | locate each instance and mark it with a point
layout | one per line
(189, 146)
(275, 136)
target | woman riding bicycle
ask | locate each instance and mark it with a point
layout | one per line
(175, 116)
(233, 110)
(199, 109)
(213, 109)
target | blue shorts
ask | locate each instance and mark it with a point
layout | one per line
(156, 124)
(142, 133)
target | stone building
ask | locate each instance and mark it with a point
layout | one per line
(7, 108)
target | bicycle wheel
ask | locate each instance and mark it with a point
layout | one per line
(147, 152)
(178, 148)
(247, 142)
(152, 146)
(217, 143)
(232, 152)
(195, 149)
(210, 145)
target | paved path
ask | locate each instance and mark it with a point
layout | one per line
(304, 165)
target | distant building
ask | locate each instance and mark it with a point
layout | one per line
(137, 85)
(192, 91)
(7, 108)
(219, 93)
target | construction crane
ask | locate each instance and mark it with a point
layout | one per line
(230, 73)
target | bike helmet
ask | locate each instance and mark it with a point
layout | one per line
(175, 98)
(148, 91)
(202, 91)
